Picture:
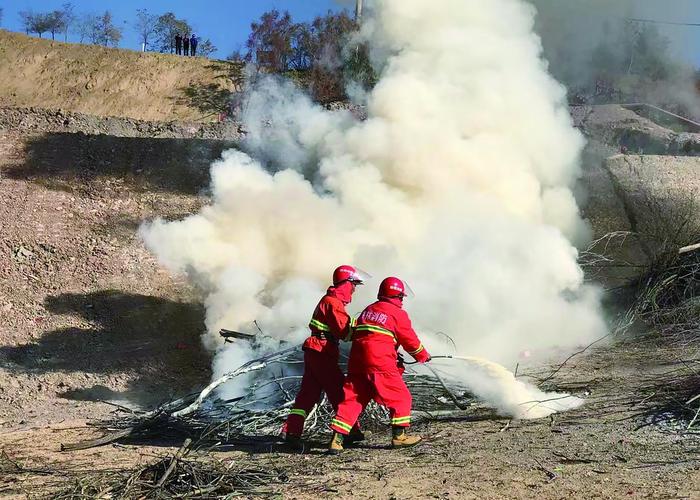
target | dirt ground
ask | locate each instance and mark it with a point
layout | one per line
(110, 82)
(602, 450)
(89, 316)
(87, 313)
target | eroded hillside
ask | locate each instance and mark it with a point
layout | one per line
(110, 82)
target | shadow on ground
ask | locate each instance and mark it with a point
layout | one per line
(209, 99)
(75, 162)
(154, 340)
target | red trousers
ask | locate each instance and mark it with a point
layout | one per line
(321, 374)
(387, 389)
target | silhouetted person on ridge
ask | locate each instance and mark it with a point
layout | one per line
(186, 44)
(178, 44)
(193, 45)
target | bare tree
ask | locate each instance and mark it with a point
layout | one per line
(40, 23)
(145, 26)
(237, 56)
(109, 34)
(27, 19)
(99, 30)
(270, 43)
(87, 28)
(55, 22)
(69, 18)
(206, 48)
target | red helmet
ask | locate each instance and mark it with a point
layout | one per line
(392, 288)
(349, 273)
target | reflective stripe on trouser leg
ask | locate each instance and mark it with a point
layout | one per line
(340, 426)
(401, 421)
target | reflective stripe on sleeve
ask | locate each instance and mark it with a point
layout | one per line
(351, 328)
(420, 348)
(298, 411)
(319, 326)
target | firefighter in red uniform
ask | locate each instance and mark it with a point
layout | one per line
(374, 369)
(329, 325)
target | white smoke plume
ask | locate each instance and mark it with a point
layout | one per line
(460, 181)
(585, 40)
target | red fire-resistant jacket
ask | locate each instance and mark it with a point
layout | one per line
(330, 323)
(381, 329)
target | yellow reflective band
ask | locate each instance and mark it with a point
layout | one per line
(340, 424)
(319, 326)
(401, 420)
(351, 329)
(298, 411)
(421, 348)
(375, 329)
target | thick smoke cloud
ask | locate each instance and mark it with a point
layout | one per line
(590, 40)
(460, 181)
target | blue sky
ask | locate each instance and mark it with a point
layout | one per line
(225, 22)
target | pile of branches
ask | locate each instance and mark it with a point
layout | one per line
(180, 475)
(668, 296)
(666, 299)
(268, 387)
(177, 477)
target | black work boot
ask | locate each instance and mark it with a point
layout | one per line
(295, 443)
(400, 439)
(355, 436)
(336, 445)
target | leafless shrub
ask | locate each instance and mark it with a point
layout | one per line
(666, 298)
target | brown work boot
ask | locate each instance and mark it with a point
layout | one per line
(399, 438)
(336, 445)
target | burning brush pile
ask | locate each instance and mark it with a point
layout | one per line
(207, 422)
(272, 383)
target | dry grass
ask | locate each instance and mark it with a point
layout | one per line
(666, 299)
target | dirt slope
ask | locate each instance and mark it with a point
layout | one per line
(86, 313)
(108, 82)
